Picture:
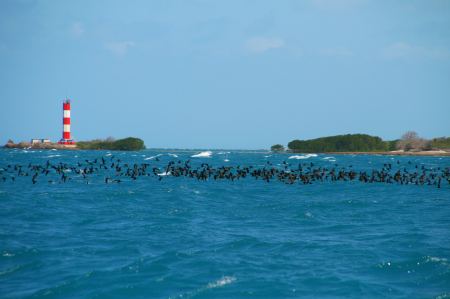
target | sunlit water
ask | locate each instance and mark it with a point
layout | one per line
(183, 238)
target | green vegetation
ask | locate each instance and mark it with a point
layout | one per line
(410, 141)
(277, 148)
(391, 145)
(126, 144)
(341, 143)
(441, 143)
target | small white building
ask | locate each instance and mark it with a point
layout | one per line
(39, 141)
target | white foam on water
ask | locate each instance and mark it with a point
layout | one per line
(206, 154)
(226, 160)
(53, 156)
(53, 149)
(300, 157)
(8, 254)
(435, 259)
(164, 173)
(223, 153)
(221, 282)
(297, 157)
(173, 155)
(225, 280)
(328, 158)
(108, 154)
(153, 157)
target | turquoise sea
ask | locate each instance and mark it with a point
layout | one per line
(178, 237)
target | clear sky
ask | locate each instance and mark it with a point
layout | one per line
(224, 74)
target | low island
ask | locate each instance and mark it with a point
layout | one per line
(409, 144)
(125, 144)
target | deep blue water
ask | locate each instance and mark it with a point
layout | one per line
(183, 238)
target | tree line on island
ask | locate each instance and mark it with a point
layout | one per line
(125, 144)
(409, 142)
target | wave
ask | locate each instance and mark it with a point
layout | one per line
(328, 158)
(225, 280)
(221, 282)
(25, 151)
(53, 156)
(159, 155)
(299, 157)
(205, 154)
(226, 160)
(164, 173)
(434, 259)
(8, 254)
(153, 157)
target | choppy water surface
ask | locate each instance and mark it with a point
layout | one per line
(184, 238)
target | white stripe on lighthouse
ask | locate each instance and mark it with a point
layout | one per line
(66, 128)
(66, 113)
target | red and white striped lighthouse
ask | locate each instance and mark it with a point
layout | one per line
(66, 138)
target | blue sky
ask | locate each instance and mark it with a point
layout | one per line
(224, 74)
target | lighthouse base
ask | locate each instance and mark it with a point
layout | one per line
(67, 142)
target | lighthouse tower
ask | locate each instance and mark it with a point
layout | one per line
(66, 137)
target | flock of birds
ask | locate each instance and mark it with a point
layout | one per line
(114, 170)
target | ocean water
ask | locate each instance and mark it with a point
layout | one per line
(182, 238)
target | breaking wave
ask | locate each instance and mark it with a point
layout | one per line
(205, 154)
(165, 173)
(221, 282)
(300, 157)
(153, 157)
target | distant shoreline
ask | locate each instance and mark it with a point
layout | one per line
(41, 146)
(382, 153)
(125, 144)
(396, 153)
